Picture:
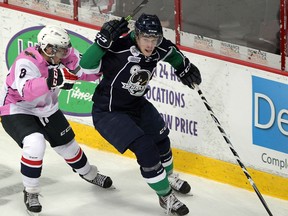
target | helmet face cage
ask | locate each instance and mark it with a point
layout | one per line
(56, 38)
(149, 26)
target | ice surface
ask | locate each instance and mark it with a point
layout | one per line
(66, 194)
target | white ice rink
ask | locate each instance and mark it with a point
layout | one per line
(64, 193)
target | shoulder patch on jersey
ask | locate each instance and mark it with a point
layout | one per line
(134, 59)
(134, 51)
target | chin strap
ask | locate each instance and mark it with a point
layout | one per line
(52, 60)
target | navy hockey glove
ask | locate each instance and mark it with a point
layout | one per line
(61, 78)
(189, 74)
(110, 32)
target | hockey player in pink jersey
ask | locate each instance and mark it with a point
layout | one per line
(30, 113)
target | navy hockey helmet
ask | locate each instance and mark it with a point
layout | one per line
(149, 26)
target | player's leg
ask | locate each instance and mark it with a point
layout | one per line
(24, 129)
(176, 183)
(61, 137)
(117, 128)
(123, 131)
(151, 167)
(155, 175)
(153, 124)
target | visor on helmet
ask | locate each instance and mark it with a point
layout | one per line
(62, 52)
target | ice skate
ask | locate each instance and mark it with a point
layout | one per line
(94, 177)
(32, 203)
(172, 205)
(178, 184)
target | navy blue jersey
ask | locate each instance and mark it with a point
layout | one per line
(127, 73)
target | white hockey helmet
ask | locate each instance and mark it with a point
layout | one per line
(55, 37)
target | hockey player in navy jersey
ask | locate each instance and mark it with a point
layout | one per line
(121, 113)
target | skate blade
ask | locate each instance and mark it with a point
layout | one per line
(170, 213)
(112, 187)
(189, 194)
(183, 195)
(32, 213)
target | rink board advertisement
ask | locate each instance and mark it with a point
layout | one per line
(270, 114)
(250, 104)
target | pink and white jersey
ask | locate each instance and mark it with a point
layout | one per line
(25, 90)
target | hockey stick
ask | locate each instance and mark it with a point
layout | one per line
(137, 9)
(232, 148)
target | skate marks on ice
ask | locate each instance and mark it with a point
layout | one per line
(6, 175)
(33, 214)
(5, 172)
(65, 193)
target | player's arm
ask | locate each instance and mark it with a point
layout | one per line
(73, 63)
(36, 87)
(187, 72)
(31, 84)
(28, 81)
(109, 33)
(92, 57)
